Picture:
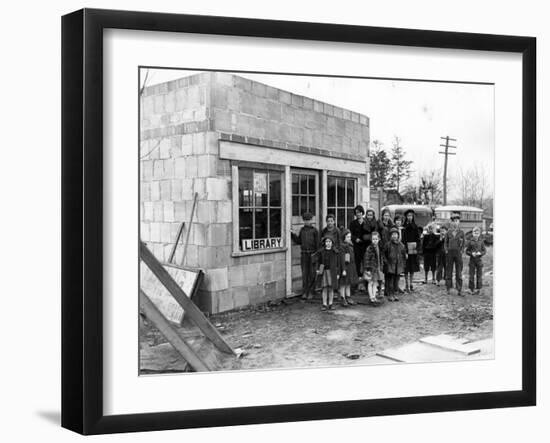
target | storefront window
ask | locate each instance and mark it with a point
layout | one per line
(259, 209)
(303, 194)
(341, 199)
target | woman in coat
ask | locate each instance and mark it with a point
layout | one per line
(411, 240)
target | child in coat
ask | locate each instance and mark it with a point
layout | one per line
(430, 244)
(331, 230)
(394, 262)
(411, 240)
(440, 255)
(373, 262)
(475, 249)
(349, 273)
(329, 268)
(308, 239)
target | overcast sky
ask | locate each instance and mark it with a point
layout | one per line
(418, 112)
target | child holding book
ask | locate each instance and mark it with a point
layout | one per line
(349, 272)
(475, 249)
(411, 240)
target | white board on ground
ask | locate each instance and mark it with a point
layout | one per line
(159, 295)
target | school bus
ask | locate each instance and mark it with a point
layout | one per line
(470, 216)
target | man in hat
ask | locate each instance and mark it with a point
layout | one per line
(454, 247)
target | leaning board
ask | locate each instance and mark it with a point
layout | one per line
(187, 279)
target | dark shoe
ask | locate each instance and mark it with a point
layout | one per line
(400, 291)
(344, 303)
(411, 289)
(331, 307)
(351, 302)
(395, 299)
(324, 308)
(460, 294)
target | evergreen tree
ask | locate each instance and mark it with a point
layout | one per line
(380, 166)
(400, 168)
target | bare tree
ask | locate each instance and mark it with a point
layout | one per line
(430, 186)
(473, 187)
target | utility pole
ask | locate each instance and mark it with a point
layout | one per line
(446, 154)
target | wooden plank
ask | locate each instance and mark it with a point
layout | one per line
(189, 229)
(173, 251)
(235, 208)
(451, 345)
(418, 352)
(239, 151)
(191, 310)
(155, 316)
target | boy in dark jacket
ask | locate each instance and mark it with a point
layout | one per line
(308, 239)
(394, 262)
(430, 243)
(454, 247)
(330, 268)
(475, 249)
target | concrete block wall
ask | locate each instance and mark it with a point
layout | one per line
(182, 122)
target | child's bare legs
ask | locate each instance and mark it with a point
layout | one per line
(343, 289)
(330, 297)
(372, 291)
(411, 281)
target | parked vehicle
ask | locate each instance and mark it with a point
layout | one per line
(470, 217)
(422, 214)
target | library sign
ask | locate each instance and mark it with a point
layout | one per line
(255, 244)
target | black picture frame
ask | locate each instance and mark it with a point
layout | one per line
(82, 220)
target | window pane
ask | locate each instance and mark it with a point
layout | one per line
(349, 217)
(261, 199)
(245, 187)
(303, 204)
(275, 189)
(303, 184)
(341, 192)
(245, 223)
(311, 185)
(295, 207)
(275, 222)
(295, 189)
(311, 205)
(350, 194)
(260, 223)
(340, 217)
(331, 190)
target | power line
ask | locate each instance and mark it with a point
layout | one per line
(446, 154)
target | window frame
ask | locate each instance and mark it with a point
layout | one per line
(334, 209)
(236, 166)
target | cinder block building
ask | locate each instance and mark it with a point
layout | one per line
(258, 157)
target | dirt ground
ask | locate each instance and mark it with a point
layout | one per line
(294, 334)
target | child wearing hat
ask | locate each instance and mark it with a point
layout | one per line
(411, 240)
(330, 268)
(475, 249)
(454, 247)
(349, 272)
(373, 262)
(395, 257)
(308, 239)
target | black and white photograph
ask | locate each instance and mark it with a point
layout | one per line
(294, 221)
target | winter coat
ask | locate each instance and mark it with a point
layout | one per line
(384, 231)
(369, 227)
(351, 277)
(475, 246)
(331, 259)
(430, 243)
(394, 257)
(307, 238)
(455, 240)
(373, 260)
(411, 234)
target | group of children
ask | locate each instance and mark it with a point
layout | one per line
(378, 252)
